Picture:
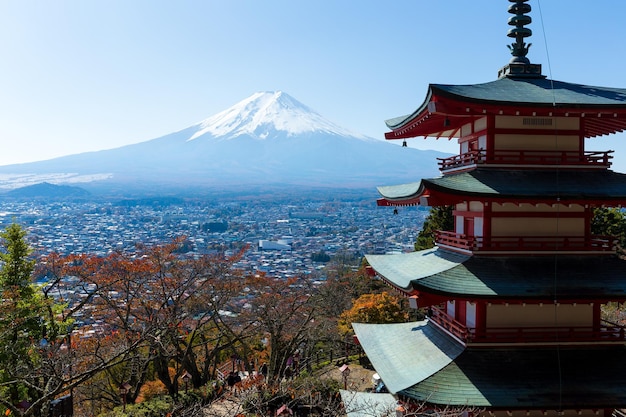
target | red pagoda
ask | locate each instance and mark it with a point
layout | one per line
(515, 292)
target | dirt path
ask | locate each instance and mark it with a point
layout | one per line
(360, 379)
(225, 407)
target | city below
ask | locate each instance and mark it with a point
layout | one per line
(281, 234)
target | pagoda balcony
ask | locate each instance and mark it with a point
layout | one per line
(590, 159)
(606, 332)
(477, 244)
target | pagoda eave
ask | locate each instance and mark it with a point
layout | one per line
(432, 198)
(436, 275)
(440, 200)
(511, 186)
(430, 297)
(482, 377)
(427, 198)
(443, 114)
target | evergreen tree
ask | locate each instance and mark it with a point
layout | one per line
(20, 314)
(608, 221)
(439, 218)
(16, 267)
(34, 356)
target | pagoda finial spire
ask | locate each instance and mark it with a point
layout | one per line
(519, 65)
(519, 48)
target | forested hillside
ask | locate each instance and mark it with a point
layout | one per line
(160, 331)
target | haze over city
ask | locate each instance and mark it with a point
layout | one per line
(83, 76)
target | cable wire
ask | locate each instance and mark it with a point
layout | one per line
(558, 351)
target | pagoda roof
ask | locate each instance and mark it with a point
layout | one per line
(392, 350)
(531, 378)
(605, 108)
(566, 185)
(440, 272)
(404, 269)
(420, 361)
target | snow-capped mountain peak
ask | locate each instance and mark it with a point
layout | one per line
(263, 114)
(267, 140)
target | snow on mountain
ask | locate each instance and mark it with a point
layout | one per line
(267, 139)
(263, 113)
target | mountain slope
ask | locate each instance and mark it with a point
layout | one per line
(263, 114)
(267, 139)
(48, 191)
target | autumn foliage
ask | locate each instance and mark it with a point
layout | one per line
(113, 331)
(373, 308)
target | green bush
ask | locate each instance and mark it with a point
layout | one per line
(156, 407)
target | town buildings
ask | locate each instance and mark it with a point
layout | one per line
(99, 227)
(515, 292)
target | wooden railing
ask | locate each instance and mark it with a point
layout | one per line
(527, 243)
(462, 160)
(527, 157)
(547, 334)
(607, 332)
(448, 323)
(551, 243)
(455, 240)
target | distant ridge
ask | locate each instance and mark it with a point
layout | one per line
(47, 190)
(266, 140)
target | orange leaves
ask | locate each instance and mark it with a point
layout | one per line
(150, 390)
(373, 308)
(157, 306)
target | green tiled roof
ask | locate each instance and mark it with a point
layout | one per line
(535, 91)
(400, 191)
(549, 277)
(402, 269)
(540, 378)
(495, 183)
(419, 361)
(524, 91)
(442, 272)
(392, 350)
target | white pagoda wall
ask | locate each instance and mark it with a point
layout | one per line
(469, 130)
(470, 314)
(472, 207)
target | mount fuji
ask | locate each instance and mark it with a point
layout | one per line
(268, 139)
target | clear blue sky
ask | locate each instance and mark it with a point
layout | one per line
(82, 75)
